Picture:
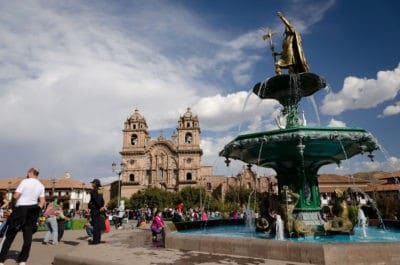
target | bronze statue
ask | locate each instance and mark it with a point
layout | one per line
(342, 222)
(292, 55)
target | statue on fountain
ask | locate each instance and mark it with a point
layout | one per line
(292, 55)
(340, 223)
(288, 204)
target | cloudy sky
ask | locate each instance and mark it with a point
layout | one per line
(73, 71)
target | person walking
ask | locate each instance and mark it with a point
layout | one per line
(24, 215)
(96, 206)
(51, 214)
(61, 220)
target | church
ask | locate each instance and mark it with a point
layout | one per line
(162, 163)
(170, 164)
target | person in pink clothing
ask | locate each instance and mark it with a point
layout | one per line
(204, 216)
(158, 225)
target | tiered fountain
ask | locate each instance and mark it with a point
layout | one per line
(296, 152)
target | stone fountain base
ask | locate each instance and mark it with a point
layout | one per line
(309, 218)
(309, 253)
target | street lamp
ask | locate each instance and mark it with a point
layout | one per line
(114, 170)
(54, 186)
(9, 191)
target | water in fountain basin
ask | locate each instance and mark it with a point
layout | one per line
(362, 222)
(279, 228)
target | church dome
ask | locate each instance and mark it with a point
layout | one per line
(135, 122)
(189, 115)
(136, 116)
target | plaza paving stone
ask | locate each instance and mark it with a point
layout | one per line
(121, 247)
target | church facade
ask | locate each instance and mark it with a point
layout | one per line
(170, 164)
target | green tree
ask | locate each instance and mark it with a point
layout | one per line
(153, 198)
(194, 197)
(239, 195)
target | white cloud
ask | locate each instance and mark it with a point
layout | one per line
(224, 112)
(72, 72)
(358, 93)
(336, 123)
(392, 109)
(389, 165)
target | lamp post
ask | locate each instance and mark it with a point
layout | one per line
(114, 170)
(83, 194)
(9, 191)
(54, 186)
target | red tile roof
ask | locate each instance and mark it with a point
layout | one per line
(59, 183)
(334, 179)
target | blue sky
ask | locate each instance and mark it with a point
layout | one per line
(73, 71)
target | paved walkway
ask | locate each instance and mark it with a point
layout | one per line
(121, 247)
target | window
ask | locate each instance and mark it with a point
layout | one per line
(209, 186)
(188, 176)
(160, 173)
(188, 138)
(134, 126)
(188, 124)
(134, 139)
(132, 177)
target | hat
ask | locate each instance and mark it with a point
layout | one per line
(97, 182)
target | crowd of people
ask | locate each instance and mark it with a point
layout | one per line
(28, 210)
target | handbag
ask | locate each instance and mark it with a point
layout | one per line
(107, 226)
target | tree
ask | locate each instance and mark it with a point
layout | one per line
(238, 195)
(194, 197)
(153, 198)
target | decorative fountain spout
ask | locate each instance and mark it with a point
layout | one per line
(295, 151)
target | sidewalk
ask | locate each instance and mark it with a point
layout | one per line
(122, 247)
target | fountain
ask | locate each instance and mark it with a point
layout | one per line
(296, 152)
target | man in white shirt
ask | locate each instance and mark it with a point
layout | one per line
(24, 215)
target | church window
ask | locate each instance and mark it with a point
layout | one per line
(160, 173)
(134, 126)
(132, 177)
(188, 124)
(188, 176)
(209, 186)
(134, 139)
(188, 138)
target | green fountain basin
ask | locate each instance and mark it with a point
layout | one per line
(296, 154)
(313, 146)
